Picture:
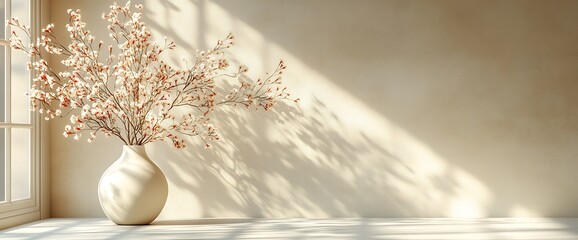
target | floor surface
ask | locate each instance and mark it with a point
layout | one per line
(392, 229)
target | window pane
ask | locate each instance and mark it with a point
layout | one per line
(2, 84)
(2, 166)
(19, 104)
(20, 156)
(20, 76)
(21, 10)
(3, 18)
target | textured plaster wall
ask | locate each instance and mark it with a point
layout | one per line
(409, 109)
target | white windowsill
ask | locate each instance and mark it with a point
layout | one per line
(347, 228)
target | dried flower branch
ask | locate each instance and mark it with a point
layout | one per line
(125, 90)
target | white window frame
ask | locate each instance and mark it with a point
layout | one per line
(17, 212)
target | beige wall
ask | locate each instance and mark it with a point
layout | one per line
(45, 165)
(409, 109)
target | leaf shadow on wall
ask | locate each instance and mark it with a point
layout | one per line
(291, 164)
(308, 162)
(490, 88)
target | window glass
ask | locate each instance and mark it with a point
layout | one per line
(21, 167)
(2, 165)
(2, 17)
(20, 76)
(21, 10)
(19, 104)
(2, 83)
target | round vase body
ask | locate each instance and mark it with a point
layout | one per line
(133, 190)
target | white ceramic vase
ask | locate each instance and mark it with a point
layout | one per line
(133, 190)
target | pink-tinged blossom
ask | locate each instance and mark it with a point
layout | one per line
(125, 89)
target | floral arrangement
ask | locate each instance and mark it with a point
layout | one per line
(126, 90)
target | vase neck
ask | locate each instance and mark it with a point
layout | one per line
(139, 149)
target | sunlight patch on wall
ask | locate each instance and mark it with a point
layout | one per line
(338, 156)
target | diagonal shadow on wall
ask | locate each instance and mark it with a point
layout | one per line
(309, 161)
(456, 83)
